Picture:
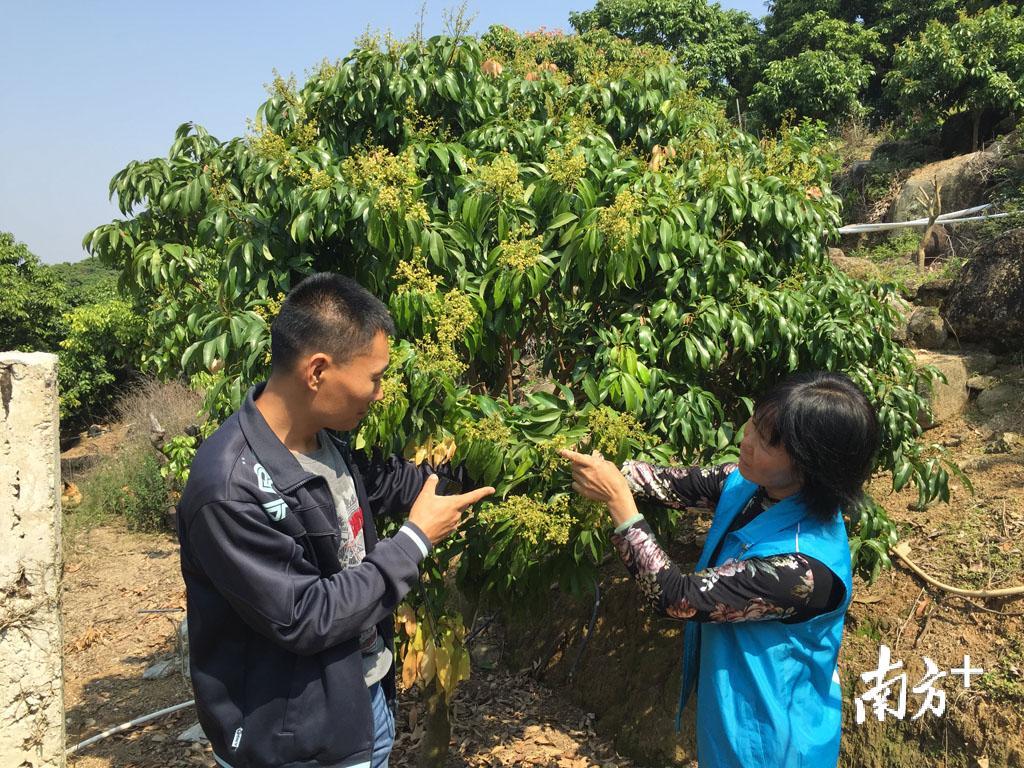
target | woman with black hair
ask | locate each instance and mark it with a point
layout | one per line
(767, 602)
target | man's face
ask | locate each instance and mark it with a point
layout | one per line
(343, 393)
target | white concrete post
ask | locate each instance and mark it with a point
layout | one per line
(31, 644)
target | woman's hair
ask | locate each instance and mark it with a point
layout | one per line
(830, 431)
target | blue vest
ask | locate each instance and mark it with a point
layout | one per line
(768, 693)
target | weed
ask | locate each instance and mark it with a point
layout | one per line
(128, 484)
(1005, 683)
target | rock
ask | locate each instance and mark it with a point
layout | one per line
(946, 400)
(986, 301)
(160, 670)
(904, 310)
(957, 131)
(962, 182)
(999, 399)
(1006, 442)
(193, 735)
(861, 269)
(979, 361)
(932, 293)
(981, 382)
(836, 253)
(927, 329)
(937, 243)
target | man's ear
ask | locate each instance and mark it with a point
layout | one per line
(316, 364)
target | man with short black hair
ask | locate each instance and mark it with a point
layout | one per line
(290, 594)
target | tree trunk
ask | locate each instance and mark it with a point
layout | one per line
(437, 729)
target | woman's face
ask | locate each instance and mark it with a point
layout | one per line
(766, 465)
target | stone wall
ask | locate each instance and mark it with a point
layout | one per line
(31, 669)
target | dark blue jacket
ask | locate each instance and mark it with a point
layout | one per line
(273, 620)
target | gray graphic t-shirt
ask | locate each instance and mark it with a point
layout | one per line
(327, 462)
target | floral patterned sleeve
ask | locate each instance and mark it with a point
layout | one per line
(788, 587)
(676, 487)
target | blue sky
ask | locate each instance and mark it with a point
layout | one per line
(89, 86)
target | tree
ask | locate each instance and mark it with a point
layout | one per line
(973, 64)
(600, 260)
(31, 302)
(715, 46)
(812, 84)
(819, 66)
(819, 31)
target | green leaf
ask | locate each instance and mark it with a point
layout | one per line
(562, 219)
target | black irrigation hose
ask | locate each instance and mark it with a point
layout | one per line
(472, 635)
(590, 630)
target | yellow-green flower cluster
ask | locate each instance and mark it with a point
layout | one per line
(609, 430)
(269, 145)
(393, 389)
(454, 317)
(270, 308)
(319, 179)
(617, 223)
(220, 188)
(390, 179)
(491, 429)
(549, 460)
(414, 277)
(500, 177)
(420, 127)
(535, 520)
(520, 251)
(566, 165)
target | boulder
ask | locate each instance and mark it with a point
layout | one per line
(852, 266)
(932, 293)
(946, 399)
(981, 382)
(962, 183)
(985, 304)
(979, 361)
(927, 329)
(1000, 399)
(904, 310)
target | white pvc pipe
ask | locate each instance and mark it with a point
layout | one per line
(130, 724)
(850, 229)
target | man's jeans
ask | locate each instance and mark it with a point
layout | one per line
(383, 727)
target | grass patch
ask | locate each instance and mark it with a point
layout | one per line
(894, 263)
(128, 485)
(1005, 683)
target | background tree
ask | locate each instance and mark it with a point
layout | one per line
(717, 47)
(813, 84)
(975, 63)
(31, 301)
(71, 310)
